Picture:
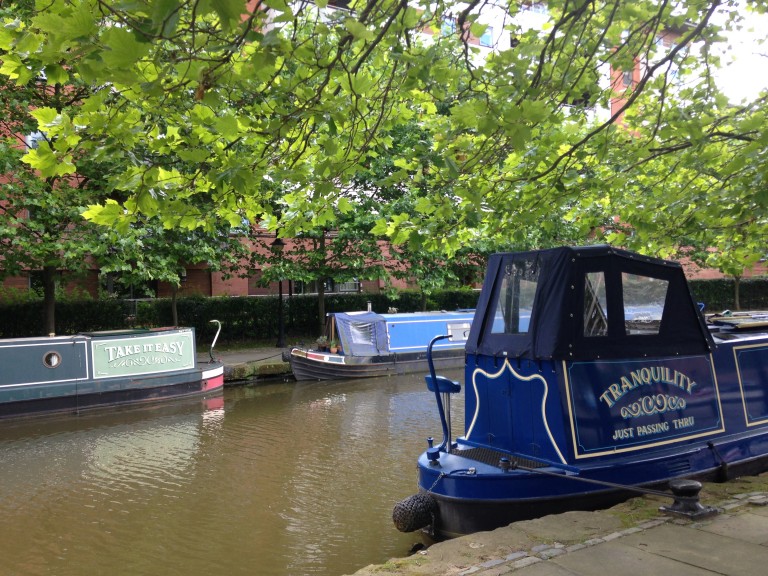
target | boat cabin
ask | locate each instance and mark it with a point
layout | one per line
(586, 303)
(370, 334)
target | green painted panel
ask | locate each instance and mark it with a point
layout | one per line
(28, 361)
(143, 354)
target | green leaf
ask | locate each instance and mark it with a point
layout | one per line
(478, 29)
(358, 29)
(195, 155)
(122, 50)
(165, 16)
(228, 127)
(75, 24)
(105, 214)
(344, 205)
(46, 117)
(42, 159)
(56, 74)
(278, 5)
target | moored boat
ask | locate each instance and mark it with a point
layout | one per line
(591, 373)
(371, 345)
(97, 369)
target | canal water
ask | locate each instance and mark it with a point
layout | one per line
(277, 479)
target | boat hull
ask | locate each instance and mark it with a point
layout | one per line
(459, 516)
(312, 365)
(84, 372)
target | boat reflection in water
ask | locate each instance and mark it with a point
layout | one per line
(275, 480)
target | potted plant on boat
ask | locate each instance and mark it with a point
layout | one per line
(333, 346)
(322, 343)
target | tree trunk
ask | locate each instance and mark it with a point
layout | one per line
(321, 304)
(49, 299)
(174, 309)
(321, 290)
(736, 300)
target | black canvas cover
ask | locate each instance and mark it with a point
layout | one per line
(585, 303)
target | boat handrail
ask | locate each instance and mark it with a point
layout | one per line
(437, 389)
(214, 339)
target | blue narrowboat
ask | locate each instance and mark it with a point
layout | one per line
(102, 369)
(371, 344)
(590, 372)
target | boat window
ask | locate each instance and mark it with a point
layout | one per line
(515, 303)
(644, 299)
(362, 333)
(595, 305)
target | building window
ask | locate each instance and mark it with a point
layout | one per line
(33, 140)
(254, 283)
(449, 26)
(37, 284)
(353, 286)
(628, 78)
(344, 4)
(487, 38)
(535, 7)
(329, 287)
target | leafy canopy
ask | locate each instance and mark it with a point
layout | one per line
(220, 99)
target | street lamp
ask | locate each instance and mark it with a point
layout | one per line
(277, 248)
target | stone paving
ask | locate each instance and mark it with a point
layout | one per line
(251, 366)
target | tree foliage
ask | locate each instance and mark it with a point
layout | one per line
(204, 105)
(41, 227)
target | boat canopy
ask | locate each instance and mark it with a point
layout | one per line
(362, 333)
(586, 303)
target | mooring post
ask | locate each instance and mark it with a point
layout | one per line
(686, 495)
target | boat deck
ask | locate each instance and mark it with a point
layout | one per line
(749, 323)
(492, 457)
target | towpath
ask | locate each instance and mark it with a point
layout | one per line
(633, 539)
(251, 365)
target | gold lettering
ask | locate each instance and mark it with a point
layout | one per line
(626, 385)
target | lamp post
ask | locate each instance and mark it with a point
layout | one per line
(277, 248)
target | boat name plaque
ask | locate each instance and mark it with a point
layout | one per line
(640, 403)
(127, 356)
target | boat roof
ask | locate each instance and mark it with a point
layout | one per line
(402, 316)
(372, 334)
(579, 303)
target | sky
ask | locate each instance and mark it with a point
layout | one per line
(745, 64)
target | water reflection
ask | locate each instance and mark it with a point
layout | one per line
(284, 479)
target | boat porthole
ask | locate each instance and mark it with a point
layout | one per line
(52, 359)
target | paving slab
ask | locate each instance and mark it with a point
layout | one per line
(543, 569)
(618, 557)
(748, 526)
(702, 549)
(759, 510)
